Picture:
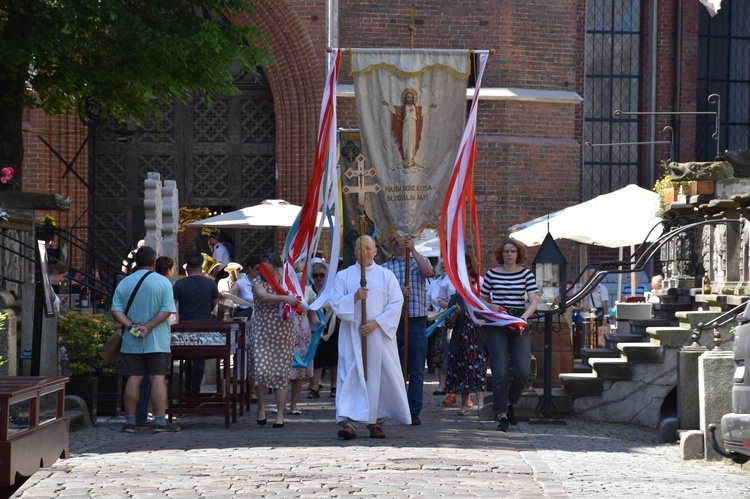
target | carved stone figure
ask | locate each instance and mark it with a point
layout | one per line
(716, 170)
(34, 201)
(740, 161)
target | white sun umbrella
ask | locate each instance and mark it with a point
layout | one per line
(621, 218)
(266, 215)
(624, 217)
(428, 244)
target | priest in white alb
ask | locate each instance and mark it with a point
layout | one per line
(381, 399)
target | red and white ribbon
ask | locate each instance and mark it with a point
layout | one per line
(453, 218)
(322, 196)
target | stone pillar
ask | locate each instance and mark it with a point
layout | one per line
(715, 371)
(8, 335)
(744, 257)
(170, 222)
(732, 258)
(152, 202)
(687, 387)
(48, 362)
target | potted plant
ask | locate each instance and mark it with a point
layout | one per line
(667, 189)
(80, 337)
(47, 229)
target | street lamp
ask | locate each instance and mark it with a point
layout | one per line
(549, 267)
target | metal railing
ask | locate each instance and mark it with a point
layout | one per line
(717, 322)
(640, 258)
(96, 265)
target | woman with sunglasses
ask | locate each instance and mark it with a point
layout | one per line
(327, 354)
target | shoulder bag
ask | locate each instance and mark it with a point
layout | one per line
(110, 351)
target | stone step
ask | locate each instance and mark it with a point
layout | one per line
(528, 403)
(642, 353)
(580, 367)
(599, 353)
(668, 310)
(612, 339)
(672, 308)
(580, 385)
(77, 412)
(691, 319)
(612, 369)
(638, 326)
(669, 336)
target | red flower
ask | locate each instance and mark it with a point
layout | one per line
(6, 174)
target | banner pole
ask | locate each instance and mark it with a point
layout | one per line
(363, 283)
(405, 353)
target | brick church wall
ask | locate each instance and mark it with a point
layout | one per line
(529, 153)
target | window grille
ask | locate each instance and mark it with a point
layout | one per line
(611, 72)
(724, 69)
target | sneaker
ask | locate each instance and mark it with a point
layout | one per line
(167, 428)
(512, 419)
(415, 421)
(450, 399)
(503, 424)
(128, 428)
(148, 422)
(347, 433)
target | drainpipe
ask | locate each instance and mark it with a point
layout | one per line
(677, 79)
(653, 31)
(651, 91)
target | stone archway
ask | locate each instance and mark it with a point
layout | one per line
(297, 85)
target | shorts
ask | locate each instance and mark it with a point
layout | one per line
(146, 364)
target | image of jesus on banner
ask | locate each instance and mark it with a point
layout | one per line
(406, 125)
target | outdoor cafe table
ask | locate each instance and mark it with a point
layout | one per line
(196, 340)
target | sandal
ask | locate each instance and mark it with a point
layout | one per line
(464, 411)
(314, 394)
(333, 391)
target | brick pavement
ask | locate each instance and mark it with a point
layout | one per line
(448, 455)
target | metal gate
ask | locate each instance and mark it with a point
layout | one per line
(222, 157)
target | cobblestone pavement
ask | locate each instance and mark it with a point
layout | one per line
(448, 455)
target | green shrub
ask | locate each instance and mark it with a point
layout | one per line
(82, 335)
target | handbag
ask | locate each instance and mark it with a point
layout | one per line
(110, 351)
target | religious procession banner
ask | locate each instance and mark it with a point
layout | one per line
(411, 106)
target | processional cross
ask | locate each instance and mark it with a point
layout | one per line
(361, 189)
(412, 16)
(362, 186)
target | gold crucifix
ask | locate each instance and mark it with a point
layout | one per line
(412, 16)
(362, 186)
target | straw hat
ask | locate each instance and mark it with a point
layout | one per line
(233, 267)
